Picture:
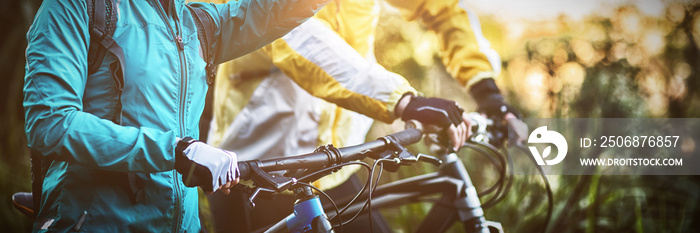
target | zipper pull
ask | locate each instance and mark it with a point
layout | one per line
(180, 45)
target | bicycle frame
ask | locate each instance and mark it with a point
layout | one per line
(459, 202)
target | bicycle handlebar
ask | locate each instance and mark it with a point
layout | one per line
(325, 156)
(388, 149)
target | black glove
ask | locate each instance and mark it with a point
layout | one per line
(435, 111)
(203, 165)
(489, 99)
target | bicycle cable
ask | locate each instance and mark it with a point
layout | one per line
(367, 183)
(371, 189)
(501, 192)
(338, 213)
(509, 181)
(335, 167)
(550, 195)
(369, 196)
(498, 186)
(499, 166)
(472, 145)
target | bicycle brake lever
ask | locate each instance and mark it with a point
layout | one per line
(518, 132)
(429, 159)
(256, 191)
(391, 167)
(264, 179)
(399, 151)
(405, 157)
(266, 182)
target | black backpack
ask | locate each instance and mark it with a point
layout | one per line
(102, 25)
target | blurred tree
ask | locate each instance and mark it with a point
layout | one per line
(15, 18)
(627, 65)
(629, 73)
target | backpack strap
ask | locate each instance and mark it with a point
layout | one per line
(103, 22)
(205, 34)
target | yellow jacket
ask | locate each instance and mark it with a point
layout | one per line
(464, 50)
(331, 57)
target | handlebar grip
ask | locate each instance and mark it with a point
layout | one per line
(407, 137)
(244, 170)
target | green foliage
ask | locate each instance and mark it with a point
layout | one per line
(594, 68)
(14, 157)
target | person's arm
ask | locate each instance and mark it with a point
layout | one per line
(464, 50)
(56, 73)
(322, 63)
(246, 25)
(327, 67)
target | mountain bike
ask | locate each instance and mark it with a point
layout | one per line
(459, 200)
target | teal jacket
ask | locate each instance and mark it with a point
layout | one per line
(69, 115)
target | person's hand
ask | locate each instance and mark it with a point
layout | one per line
(490, 101)
(226, 188)
(442, 113)
(206, 166)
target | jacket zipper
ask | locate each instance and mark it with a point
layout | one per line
(183, 93)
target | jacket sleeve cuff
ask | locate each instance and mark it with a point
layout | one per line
(483, 88)
(396, 95)
(479, 77)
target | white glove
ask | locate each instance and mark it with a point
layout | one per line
(204, 165)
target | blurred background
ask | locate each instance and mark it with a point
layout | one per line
(571, 59)
(561, 59)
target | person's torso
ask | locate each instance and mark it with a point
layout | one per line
(164, 87)
(163, 84)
